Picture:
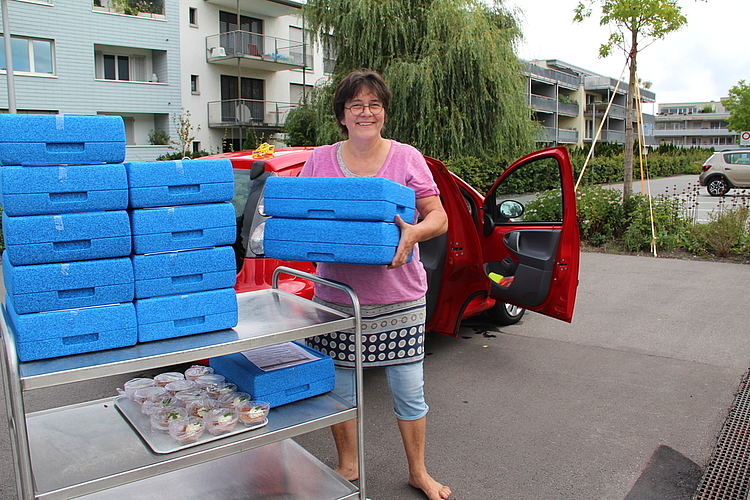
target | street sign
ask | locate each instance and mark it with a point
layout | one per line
(744, 138)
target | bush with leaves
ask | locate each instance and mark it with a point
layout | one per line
(727, 231)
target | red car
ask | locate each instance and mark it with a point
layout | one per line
(490, 260)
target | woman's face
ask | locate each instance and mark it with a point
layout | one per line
(371, 118)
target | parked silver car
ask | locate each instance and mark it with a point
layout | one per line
(725, 170)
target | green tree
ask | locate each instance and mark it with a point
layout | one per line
(457, 83)
(634, 25)
(738, 105)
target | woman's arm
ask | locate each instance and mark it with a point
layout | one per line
(434, 223)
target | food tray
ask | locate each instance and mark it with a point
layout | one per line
(162, 442)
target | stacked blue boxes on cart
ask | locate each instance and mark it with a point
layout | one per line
(75, 270)
(347, 220)
(182, 220)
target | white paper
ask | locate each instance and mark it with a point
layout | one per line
(279, 356)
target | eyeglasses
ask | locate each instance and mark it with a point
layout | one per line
(358, 109)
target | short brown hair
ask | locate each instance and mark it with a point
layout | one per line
(354, 83)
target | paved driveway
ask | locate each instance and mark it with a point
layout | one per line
(625, 403)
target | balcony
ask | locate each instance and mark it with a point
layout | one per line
(141, 8)
(558, 135)
(248, 113)
(257, 51)
(270, 8)
(553, 76)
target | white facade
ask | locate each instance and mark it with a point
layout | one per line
(247, 77)
(695, 124)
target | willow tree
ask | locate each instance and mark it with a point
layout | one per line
(634, 25)
(458, 86)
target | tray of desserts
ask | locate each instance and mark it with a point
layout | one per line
(174, 411)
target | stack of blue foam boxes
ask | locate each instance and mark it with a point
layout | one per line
(347, 220)
(66, 267)
(102, 254)
(183, 220)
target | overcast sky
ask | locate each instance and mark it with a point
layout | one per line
(700, 62)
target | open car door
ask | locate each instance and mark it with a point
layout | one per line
(531, 242)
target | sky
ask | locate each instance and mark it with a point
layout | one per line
(700, 62)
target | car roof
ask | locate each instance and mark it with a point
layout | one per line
(282, 159)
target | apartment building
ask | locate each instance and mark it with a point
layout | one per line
(245, 66)
(84, 57)
(688, 124)
(572, 103)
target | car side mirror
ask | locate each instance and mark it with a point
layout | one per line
(510, 209)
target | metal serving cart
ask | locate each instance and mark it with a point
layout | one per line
(89, 450)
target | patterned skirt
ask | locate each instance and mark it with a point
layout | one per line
(392, 334)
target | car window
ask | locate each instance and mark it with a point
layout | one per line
(737, 158)
(241, 190)
(537, 187)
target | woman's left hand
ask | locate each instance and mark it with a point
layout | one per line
(434, 222)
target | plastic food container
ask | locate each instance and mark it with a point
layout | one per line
(144, 393)
(186, 396)
(137, 383)
(180, 385)
(161, 419)
(201, 406)
(215, 391)
(205, 381)
(196, 371)
(164, 378)
(154, 404)
(253, 412)
(186, 430)
(233, 399)
(221, 420)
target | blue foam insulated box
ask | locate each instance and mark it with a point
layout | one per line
(61, 139)
(63, 189)
(72, 331)
(342, 241)
(283, 385)
(183, 271)
(182, 227)
(67, 285)
(41, 239)
(180, 182)
(352, 198)
(187, 314)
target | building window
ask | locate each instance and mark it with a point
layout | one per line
(329, 54)
(194, 85)
(30, 55)
(196, 146)
(123, 67)
(193, 16)
(297, 48)
(116, 67)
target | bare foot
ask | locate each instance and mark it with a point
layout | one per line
(350, 474)
(431, 488)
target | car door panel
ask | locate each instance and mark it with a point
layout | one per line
(533, 253)
(538, 253)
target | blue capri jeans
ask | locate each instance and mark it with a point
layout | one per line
(405, 382)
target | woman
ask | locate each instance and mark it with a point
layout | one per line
(389, 295)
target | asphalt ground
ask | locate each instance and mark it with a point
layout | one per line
(624, 403)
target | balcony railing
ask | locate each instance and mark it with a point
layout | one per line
(571, 81)
(558, 135)
(257, 47)
(551, 105)
(248, 113)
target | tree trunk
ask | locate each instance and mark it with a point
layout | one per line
(627, 187)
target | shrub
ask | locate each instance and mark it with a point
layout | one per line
(726, 231)
(158, 137)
